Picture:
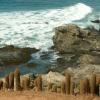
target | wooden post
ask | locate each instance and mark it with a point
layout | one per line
(26, 83)
(6, 83)
(17, 80)
(63, 88)
(72, 86)
(99, 90)
(11, 80)
(1, 84)
(68, 78)
(82, 87)
(39, 83)
(87, 86)
(93, 84)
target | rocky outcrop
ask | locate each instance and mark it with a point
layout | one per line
(77, 47)
(72, 39)
(10, 55)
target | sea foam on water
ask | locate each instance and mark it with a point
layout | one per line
(35, 28)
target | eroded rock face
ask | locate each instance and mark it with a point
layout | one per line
(70, 38)
(11, 55)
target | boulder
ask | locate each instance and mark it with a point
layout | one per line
(10, 55)
(76, 46)
(72, 39)
(53, 77)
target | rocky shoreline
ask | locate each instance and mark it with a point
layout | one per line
(78, 50)
(79, 53)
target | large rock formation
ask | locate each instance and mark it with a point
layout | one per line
(76, 46)
(70, 38)
(10, 55)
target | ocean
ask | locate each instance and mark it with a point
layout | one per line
(31, 23)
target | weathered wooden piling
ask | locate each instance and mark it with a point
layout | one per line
(26, 83)
(63, 87)
(87, 86)
(1, 84)
(6, 83)
(99, 90)
(11, 80)
(93, 84)
(98, 85)
(39, 83)
(82, 87)
(67, 83)
(17, 80)
(72, 86)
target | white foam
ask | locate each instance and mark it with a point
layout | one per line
(34, 28)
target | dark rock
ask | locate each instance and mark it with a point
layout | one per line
(10, 55)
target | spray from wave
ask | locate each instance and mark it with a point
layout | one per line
(34, 28)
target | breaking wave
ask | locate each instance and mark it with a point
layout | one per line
(35, 28)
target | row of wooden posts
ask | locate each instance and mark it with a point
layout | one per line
(86, 86)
